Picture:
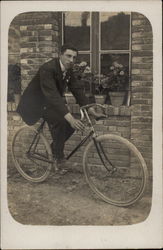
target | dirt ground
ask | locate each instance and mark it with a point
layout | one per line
(68, 200)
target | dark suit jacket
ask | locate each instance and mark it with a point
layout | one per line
(45, 91)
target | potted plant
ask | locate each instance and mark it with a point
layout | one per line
(83, 73)
(114, 84)
(117, 83)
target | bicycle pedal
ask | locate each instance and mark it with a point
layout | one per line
(113, 170)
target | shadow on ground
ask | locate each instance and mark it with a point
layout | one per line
(68, 200)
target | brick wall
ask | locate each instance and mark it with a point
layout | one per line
(39, 42)
(142, 85)
(118, 123)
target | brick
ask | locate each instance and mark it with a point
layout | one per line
(141, 28)
(142, 47)
(33, 39)
(23, 27)
(137, 15)
(48, 26)
(142, 77)
(45, 49)
(136, 71)
(45, 32)
(147, 59)
(16, 118)
(142, 59)
(141, 125)
(141, 34)
(142, 40)
(100, 128)
(121, 129)
(143, 113)
(28, 33)
(144, 95)
(142, 83)
(142, 89)
(138, 101)
(24, 61)
(45, 44)
(9, 106)
(116, 111)
(45, 38)
(140, 22)
(112, 128)
(142, 143)
(36, 27)
(142, 119)
(142, 66)
(26, 50)
(138, 131)
(146, 108)
(28, 45)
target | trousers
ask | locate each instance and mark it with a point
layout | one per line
(60, 132)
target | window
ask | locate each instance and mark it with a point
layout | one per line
(14, 74)
(101, 38)
(77, 25)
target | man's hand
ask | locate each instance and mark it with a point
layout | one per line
(75, 123)
(92, 111)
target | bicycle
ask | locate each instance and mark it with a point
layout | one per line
(114, 168)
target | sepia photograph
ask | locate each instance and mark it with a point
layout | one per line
(70, 170)
(80, 97)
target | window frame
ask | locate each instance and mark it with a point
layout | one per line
(81, 52)
(95, 46)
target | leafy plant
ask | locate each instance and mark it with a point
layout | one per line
(115, 80)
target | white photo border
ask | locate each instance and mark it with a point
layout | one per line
(147, 234)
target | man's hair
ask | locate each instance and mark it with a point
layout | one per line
(68, 46)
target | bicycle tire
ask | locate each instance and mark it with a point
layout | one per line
(133, 161)
(22, 162)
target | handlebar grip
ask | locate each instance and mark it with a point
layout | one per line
(91, 105)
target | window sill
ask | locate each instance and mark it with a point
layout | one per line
(74, 108)
(11, 106)
(118, 111)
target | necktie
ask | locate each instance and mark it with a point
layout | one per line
(64, 74)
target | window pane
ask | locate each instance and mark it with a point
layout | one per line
(108, 59)
(84, 58)
(115, 29)
(77, 29)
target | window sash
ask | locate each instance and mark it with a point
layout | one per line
(95, 44)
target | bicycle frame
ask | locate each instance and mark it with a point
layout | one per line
(92, 133)
(35, 155)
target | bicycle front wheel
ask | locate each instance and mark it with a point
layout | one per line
(31, 154)
(115, 170)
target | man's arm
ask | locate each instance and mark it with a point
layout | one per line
(50, 91)
(75, 123)
(78, 91)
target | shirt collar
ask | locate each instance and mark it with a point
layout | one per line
(62, 66)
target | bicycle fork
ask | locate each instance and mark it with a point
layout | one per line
(100, 150)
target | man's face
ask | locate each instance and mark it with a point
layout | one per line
(68, 58)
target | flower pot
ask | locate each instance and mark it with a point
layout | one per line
(117, 98)
(17, 98)
(100, 99)
(69, 98)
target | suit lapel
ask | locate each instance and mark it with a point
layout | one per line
(59, 75)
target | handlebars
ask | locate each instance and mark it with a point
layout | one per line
(92, 105)
(83, 110)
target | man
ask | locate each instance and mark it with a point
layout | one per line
(44, 98)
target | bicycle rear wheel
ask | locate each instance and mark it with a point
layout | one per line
(31, 154)
(126, 183)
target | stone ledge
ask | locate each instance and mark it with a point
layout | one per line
(74, 108)
(11, 106)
